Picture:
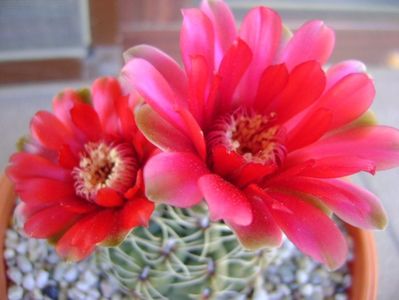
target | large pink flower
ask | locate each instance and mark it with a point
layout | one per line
(257, 128)
(80, 178)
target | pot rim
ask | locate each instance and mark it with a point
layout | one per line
(363, 268)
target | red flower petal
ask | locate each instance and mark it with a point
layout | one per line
(226, 163)
(352, 204)
(104, 92)
(261, 30)
(86, 119)
(42, 190)
(309, 229)
(50, 131)
(305, 84)
(136, 212)
(67, 158)
(80, 240)
(172, 178)
(26, 165)
(233, 66)
(271, 83)
(224, 26)
(49, 221)
(198, 84)
(196, 38)
(312, 41)
(225, 201)
(108, 197)
(263, 230)
(310, 128)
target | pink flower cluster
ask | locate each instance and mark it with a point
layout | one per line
(252, 124)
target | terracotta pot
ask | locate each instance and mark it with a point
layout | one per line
(363, 268)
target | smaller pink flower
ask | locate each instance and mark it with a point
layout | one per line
(80, 174)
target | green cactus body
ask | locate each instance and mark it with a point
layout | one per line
(181, 255)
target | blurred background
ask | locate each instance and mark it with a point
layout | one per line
(48, 40)
(48, 45)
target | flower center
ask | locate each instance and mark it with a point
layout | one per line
(103, 165)
(254, 136)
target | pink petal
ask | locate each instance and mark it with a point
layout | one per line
(168, 67)
(156, 91)
(194, 132)
(312, 41)
(161, 133)
(305, 84)
(50, 131)
(342, 69)
(80, 240)
(261, 29)
(348, 99)
(49, 221)
(233, 66)
(25, 166)
(376, 144)
(352, 204)
(172, 178)
(225, 201)
(309, 229)
(223, 26)
(271, 83)
(196, 38)
(263, 230)
(331, 167)
(86, 119)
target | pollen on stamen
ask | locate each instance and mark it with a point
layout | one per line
(254, 136)
(103, 165)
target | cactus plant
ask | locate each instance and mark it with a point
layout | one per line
(182, 255)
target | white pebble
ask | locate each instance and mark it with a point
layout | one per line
(71, 274)
(28, 282)
(106, 289)
(15, 275)
(22, 248)
(77, 294)
(53, 258)
(302, 277)
(341, 297)
(89, 278)
(15, 293)
(307, 290)
(42, 279)
(59, 271)
(24, 264)
(9, 254)
(11, 235)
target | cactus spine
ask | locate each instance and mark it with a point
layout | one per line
(181, 255)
